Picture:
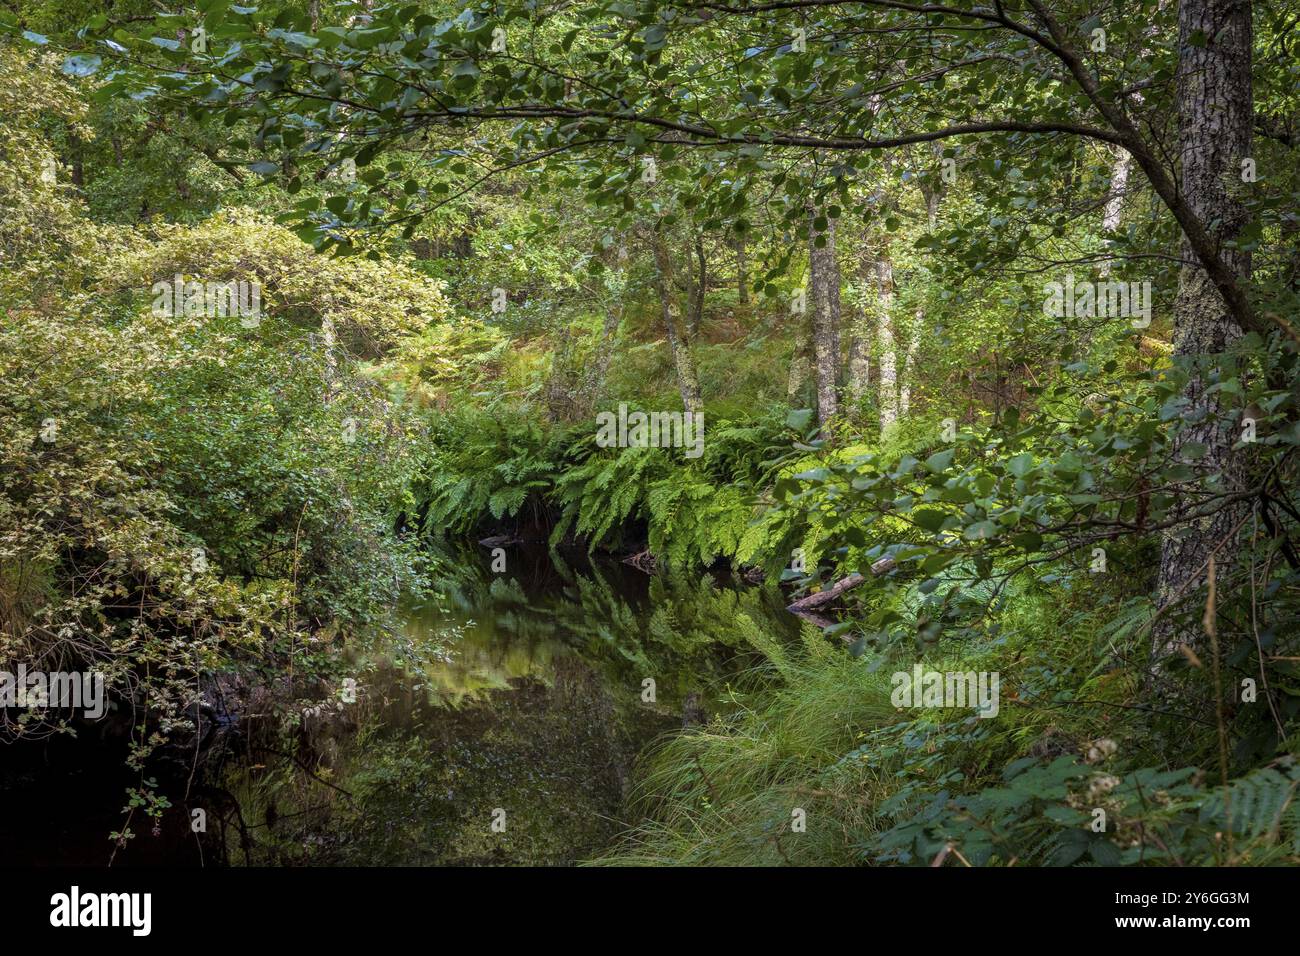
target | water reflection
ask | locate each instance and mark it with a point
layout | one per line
(519, 699)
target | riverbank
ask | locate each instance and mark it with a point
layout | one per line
(502, 723)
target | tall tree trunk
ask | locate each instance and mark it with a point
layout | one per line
(1290, 226)
(1111, 212)
(800, 361)
(931, 196)
(329, 350)
(909, 365)
(1215, 114)
(699, 285)
(859, 362)
(886, 348)
(742, 269)
(558, 397)
(825, 280)
(688, 382)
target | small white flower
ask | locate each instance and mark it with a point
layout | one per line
(1100, 749)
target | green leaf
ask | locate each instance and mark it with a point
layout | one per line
(1028, 541)
(288, 36)
(814, 475)
(799, 419)
(980, 531)
(1104, 853)
(940, 460)
(1066, 815)
(1021, 464)
(931, 519)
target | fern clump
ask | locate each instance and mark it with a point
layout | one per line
(690, 513)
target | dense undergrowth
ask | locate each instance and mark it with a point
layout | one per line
(1084, 763)
(1073, 770)
(191, 502)
(186, 499)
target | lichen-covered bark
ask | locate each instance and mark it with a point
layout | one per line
(909, 365)
(1114, 207)
(859, 361)
(688, 381)
(886, 347)
(742, 269)
(1214, 117)
(825, 303)
(800, 362)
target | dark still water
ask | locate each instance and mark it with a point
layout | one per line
(501, 725)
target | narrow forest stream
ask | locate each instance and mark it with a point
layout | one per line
(502, 726)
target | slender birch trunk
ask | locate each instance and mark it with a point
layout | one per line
(825, 282)
(1114, 207)
(688, 382)
(886, 348)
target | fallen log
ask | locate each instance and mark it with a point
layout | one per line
(816, 620)
(822, 598)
